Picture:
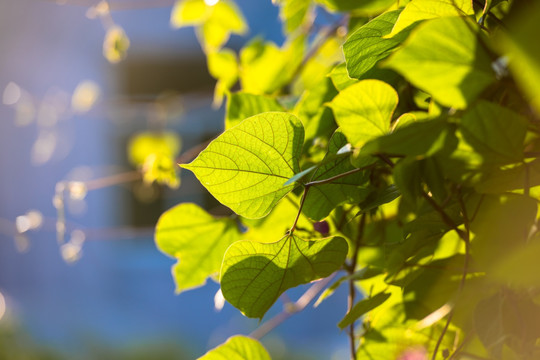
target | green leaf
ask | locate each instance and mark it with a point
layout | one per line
(246, 166)
(363, 274)
(197, 239)
(365, 8)
(362, 307)
(495, 132)
(242, 105)
(223, 66)
(444, 58)
(265, 67)
(294, 13)
(522, 52)
(367, 45)
(322, 199)
(340, 77)
(238, 347)
(254, 275)
(364, 110)
(317, 118)
(418, 138)
(511, 178)
(418, 10)
(214, 23)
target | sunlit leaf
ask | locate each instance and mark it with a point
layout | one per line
(197, 239)
(364, 110)
(322, 199)
(418, 10)
(254, 274)
(367, 45)
(242, 105)
(116, 44)
(238, 348)
(444, 58)
(340, 77)
(246, 166)
(293, 14)
(223, 66)
(366, 8)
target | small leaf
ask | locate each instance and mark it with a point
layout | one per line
(254, 275)
(238, 347)
(223, 66)
(242, 105)
(246, 166)
(116, 44)
(362, 307)
(364, 110)
(294, 13)
(197, 239)
(322, 199)
(443, 57)
(418, 10)
(367, 45)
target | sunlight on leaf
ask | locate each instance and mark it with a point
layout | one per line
(242, 105)
(443, 57)
(254, 275)
(238, 347)
(246, 166)
(197, 239)
(364, 110)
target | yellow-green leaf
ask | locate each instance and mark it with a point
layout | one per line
(238, 348)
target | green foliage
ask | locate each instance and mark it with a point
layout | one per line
(408, 157)
(237, 348)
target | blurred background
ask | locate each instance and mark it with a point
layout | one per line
(80, 276)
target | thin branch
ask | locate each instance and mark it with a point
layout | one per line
(292, 309)
(306, 189)
(465, 235)
(352, 290)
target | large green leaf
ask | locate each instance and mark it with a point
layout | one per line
(364, 110)
(495, 132)
(367, 45)
(322, 199)
(238, 348)
(253, 275)
(418, 10)
(246, 166)
(243, 105)
(443, 57)
(188, 233)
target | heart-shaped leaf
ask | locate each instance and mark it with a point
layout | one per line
(254, 275)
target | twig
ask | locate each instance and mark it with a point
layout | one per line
(466, 238)
(352, 290)
(292, 309)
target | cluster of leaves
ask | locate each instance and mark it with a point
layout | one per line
(399, 147)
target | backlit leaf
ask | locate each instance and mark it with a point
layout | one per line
(364, 110)
(362, 307)
(418, 10)
(443, 57)
(197, 239)
(238, 348)
(366, 7)
(242, 105)
(254, 275)
(367, 45)
(246, 166)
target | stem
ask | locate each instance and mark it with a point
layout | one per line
(299, 209)
(339, 176)
(466, 238)
(292, 309)
(352, 290)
